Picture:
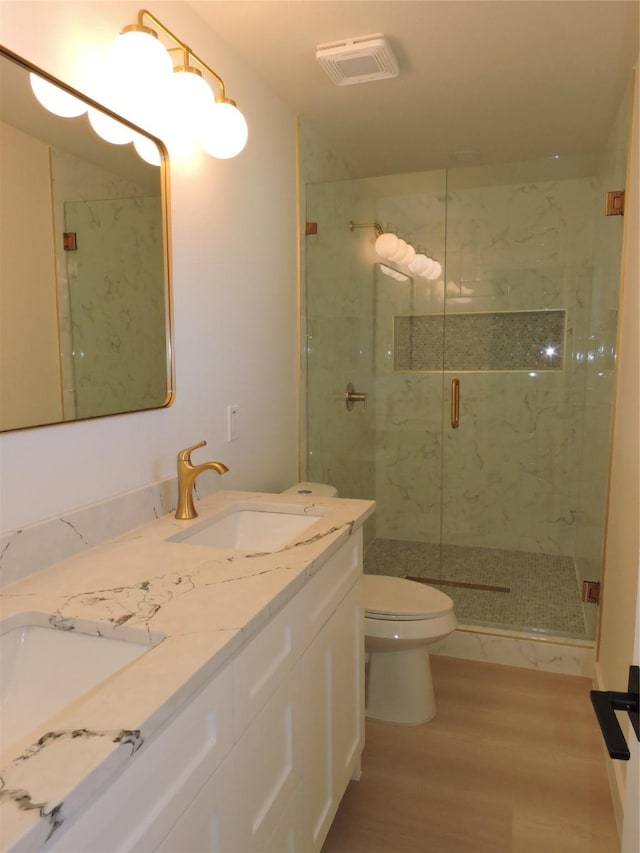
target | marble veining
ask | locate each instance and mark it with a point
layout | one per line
(29, 549)
(198, 605)
(23, 800)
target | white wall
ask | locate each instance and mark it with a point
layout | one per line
(616, 650)
(27, 283)
(234, 292)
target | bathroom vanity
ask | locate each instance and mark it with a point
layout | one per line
(240, 726)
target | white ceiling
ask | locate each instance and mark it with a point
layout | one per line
(505, 80)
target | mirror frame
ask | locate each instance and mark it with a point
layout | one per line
(6, 53)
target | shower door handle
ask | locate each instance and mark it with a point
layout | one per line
(352, 396)
(455, 403)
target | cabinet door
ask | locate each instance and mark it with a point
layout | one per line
(268, 766)
(348, 689)
(318, 664)
(248, 804)
(334, 715)
(209, 822)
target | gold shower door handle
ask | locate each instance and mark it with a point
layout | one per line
(455, 403)
(352, 396)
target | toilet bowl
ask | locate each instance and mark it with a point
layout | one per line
(402, 618)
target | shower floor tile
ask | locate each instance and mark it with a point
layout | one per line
(543, 590)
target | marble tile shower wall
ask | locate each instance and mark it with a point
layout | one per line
(512, 468)
(340, 310)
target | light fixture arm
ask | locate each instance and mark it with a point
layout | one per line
(353, 225)
(140, 25)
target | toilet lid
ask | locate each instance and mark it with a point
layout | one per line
(398, 598)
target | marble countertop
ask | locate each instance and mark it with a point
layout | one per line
(199, 604)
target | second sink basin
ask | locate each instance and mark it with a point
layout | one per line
(247, 529)
(43, 670)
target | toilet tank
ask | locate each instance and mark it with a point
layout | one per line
(318, 489)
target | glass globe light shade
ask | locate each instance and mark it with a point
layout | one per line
(224, 132)
(147, 150)
(400, 252)
(419, 264)
(109, 129)
(428, 268)
(55, 99)
(138, 58)
(409, 256)
(192, 99)
(187, 100)
(434, 272)
(135, 71)
(386, 244)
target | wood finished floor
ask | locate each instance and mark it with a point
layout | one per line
(512, 763)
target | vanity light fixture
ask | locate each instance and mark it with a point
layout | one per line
(173, 102)
(195, 115)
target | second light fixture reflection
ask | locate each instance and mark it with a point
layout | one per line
(390, 247)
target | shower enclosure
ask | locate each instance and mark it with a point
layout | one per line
(503, 510)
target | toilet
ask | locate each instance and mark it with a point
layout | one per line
(401, 619)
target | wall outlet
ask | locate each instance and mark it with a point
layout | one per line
(233, 425)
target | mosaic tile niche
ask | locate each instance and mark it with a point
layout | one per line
(504, 340)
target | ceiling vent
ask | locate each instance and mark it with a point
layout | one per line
(358, 60)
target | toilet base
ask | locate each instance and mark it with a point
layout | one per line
(399, 686)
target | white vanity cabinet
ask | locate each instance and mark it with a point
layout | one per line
(260, 759)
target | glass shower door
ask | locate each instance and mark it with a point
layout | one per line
(520, 274)
(408, 427)
(505, 511)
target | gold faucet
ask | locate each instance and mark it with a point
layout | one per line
(187, 474)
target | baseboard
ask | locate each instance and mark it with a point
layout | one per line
(531, 651)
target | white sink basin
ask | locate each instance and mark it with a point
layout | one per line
(247, 529)
(44, 669)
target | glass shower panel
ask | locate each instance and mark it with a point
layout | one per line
(408, 429)
(520, 245)
(408, 376)
(340, 443)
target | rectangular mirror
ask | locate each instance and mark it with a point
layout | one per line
(85, 302)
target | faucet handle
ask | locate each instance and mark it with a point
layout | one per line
(185, 455)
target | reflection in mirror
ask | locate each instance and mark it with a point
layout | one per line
(84, 266)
